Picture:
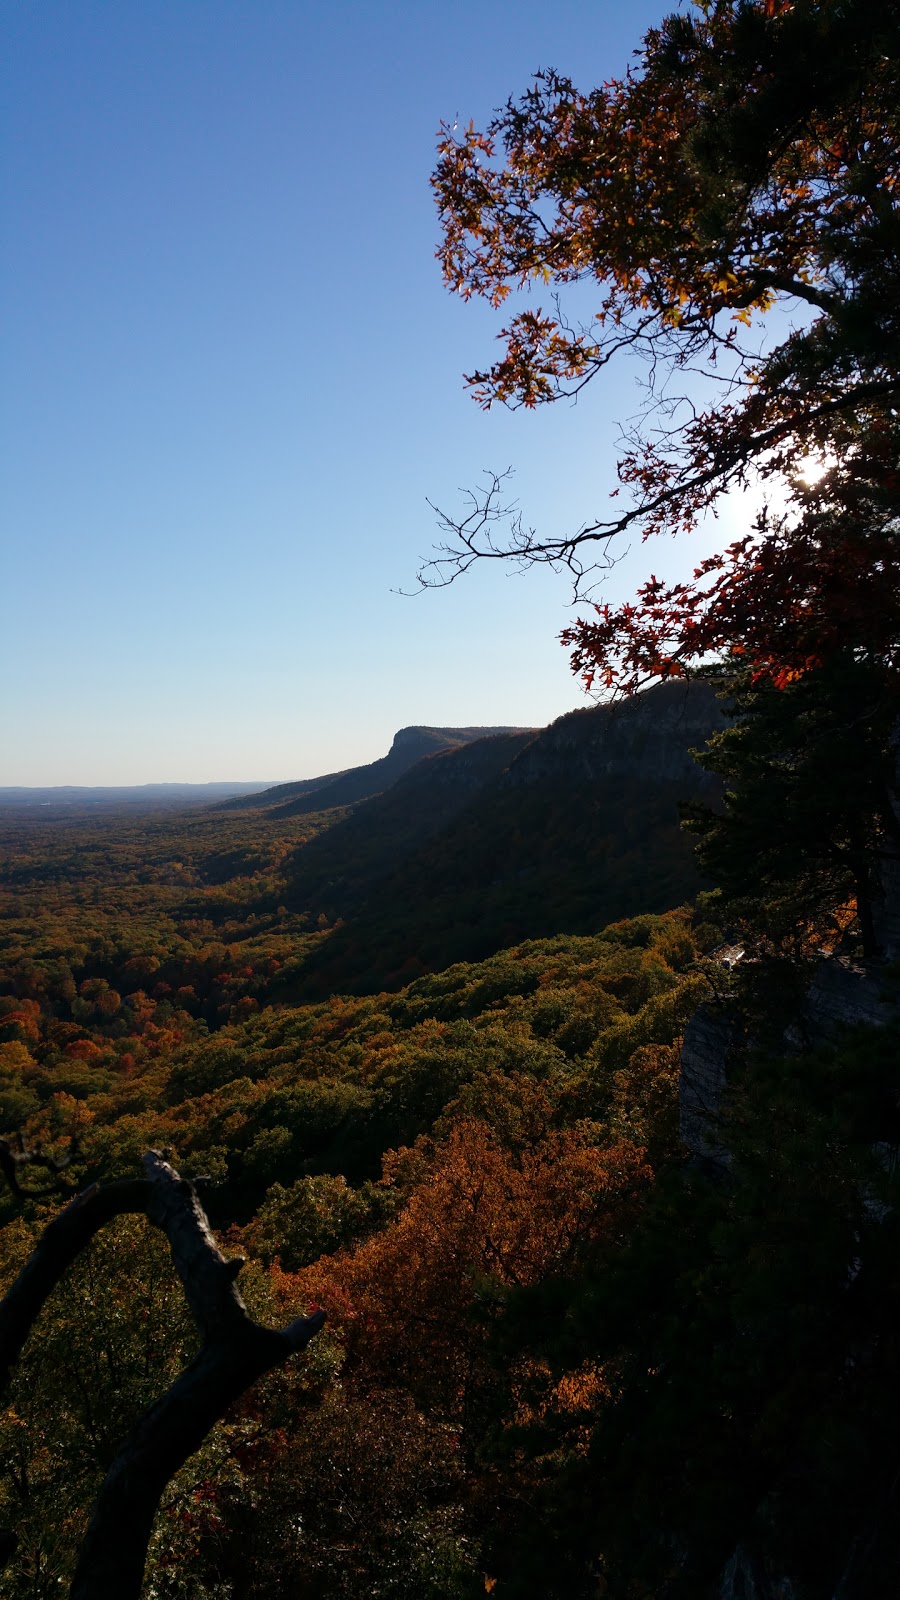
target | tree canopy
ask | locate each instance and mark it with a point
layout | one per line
(749, 160)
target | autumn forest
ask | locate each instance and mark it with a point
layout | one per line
(477, 1172)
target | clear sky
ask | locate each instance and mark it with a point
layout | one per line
(232, 376)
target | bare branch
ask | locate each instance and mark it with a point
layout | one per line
(236, 1351)
(473, 535)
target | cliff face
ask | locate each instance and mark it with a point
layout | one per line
(844, 993)
(338, 871)
(853, 1325)
(853, 1328)
(702, 1084)
(647, 739)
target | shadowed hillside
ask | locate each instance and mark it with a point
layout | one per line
(383, 832)
(358, 783)
(522, 836)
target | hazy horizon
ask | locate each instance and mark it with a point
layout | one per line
(163, 783)
(222, 783)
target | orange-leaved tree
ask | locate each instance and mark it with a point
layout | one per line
(750, 159)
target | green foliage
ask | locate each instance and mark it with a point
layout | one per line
(114, 1333)
(559, 855)
(557, 1361)
(554, 1357)
(750, 1332)
(316, 1216)
(135, 921)
(351, 1474)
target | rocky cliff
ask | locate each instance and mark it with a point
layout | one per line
(646, 739)
(844, 993)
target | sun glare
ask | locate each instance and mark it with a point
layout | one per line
(813, 468)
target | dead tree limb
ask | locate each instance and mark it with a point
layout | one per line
(15, 1155)
(234, 1353)
(61, 1241)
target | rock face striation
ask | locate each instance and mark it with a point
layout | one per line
(646, 739)
(703, 1080)
(342, 866)
(847, 994)
(844, 993)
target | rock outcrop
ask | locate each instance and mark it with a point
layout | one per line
(513, 837)
(708, 1040)
(645, 739)
(844, 993)
(847, 994)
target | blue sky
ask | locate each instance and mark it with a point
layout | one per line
(232, 377)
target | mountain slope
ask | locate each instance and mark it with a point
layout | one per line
(516, 838)
(278, 794)
(336, 872)
(359, 783)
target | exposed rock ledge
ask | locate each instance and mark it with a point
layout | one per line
(708, 1040)
(843, 994)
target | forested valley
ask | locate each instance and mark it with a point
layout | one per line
(478, 1175)
(520, 1113)
(417, 1161)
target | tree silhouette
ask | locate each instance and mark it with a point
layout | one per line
(750, 159)
(234, 1352)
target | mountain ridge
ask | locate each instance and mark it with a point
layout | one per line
(351, 784)
(511, 837)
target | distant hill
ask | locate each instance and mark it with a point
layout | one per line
(359, 783)
(514, 836)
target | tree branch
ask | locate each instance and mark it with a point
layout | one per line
(14, 1154)
(524, 545)
(61, 1241)
(236, 1351)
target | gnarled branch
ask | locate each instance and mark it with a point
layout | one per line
(236, 1351)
